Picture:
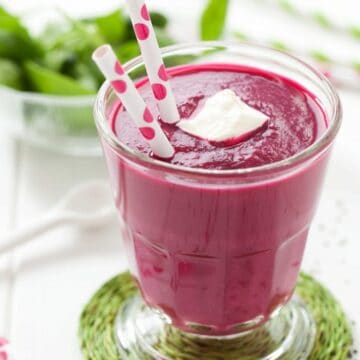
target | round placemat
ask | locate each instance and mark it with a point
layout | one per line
(96, 331)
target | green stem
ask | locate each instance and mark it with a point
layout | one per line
(315, 54)
(318, 17)
(338, 71)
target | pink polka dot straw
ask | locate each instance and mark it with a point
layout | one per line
(4, 349)
(153, 61)
(106, 60)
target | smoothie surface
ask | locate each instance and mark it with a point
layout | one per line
(296, 119)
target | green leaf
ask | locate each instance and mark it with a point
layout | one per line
(213, 19)
(322, 20)
(112, 26)
(10, 74)
(82, 37)
(60, 60)
(84, 76)
(129, 31)
(3, 11)
(70, 47)
(15, 41)
(51, 34)
(356, 65)
(17, 46)
(158, 19)
(93, 71)
(319, 56)
(163, 38)
(355, 32)
(127, 51)
(279, 45)
(49, 82)
(241, 36)
(11, 23)
(287, 6)
(177, 60)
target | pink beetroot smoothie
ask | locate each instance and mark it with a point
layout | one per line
(217, 250)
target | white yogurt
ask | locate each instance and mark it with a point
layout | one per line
(224, 116)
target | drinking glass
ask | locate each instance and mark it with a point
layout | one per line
(216, 254)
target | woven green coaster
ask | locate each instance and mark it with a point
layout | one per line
(333, 337)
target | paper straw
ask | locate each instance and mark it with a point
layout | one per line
(153, 61)
(109, 65)
(6, 352)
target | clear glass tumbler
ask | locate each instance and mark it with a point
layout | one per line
(216, 253)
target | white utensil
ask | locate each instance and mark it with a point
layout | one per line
(88, 206)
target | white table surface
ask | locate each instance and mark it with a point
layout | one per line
(44, 286)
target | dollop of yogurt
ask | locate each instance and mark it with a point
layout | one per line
(223, 118)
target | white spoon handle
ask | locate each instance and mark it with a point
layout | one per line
(24, 235)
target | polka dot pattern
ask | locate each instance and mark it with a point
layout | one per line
(148, 116)
(162, 73)
(131, 99)
(144, 13)
(147, 132)
(159, 91)
(156, 71)
(3, 341)
(142, 31)
(118, 69)
(119, 86)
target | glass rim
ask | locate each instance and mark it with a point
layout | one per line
(81, 100)
(320, 144)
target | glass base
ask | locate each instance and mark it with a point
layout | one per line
(142, 333)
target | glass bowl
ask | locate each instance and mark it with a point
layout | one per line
(61, 123)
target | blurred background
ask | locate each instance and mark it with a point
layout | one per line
(48, 144)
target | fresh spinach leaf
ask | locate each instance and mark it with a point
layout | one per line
(11, 23)
(213, 19)
(129, 31)
(10, 74)
(72, 47)
(81, 37)
(60, 60)
(49, 82)
(85, 77)
(15, 41)
(163, 37)
(17, 46)
(51, 34)
(112, 26)
(158, 19)
(127, 51)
